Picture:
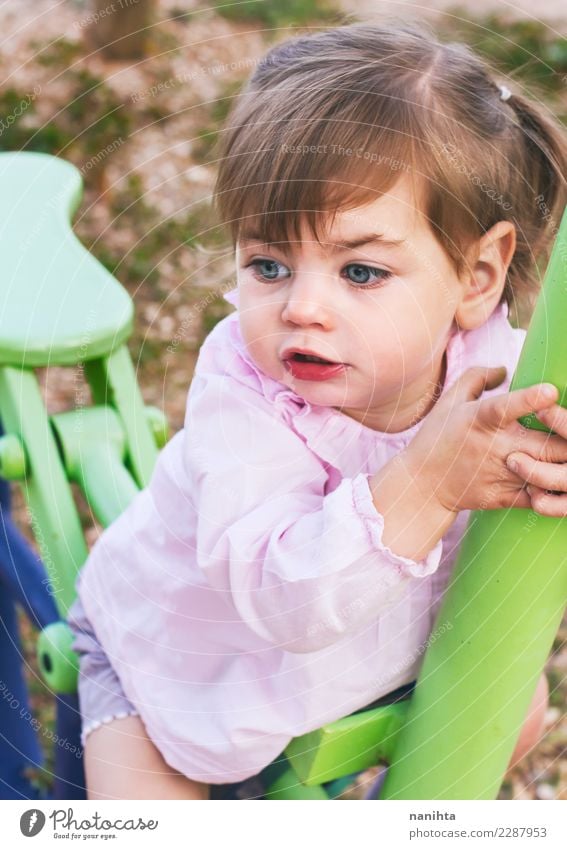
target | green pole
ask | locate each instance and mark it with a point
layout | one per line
(499, 615)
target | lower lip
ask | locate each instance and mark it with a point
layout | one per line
(313, 371)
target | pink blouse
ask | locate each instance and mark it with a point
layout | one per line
(245, 596)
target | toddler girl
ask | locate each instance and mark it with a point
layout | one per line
(286, 563)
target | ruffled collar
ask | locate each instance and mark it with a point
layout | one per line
(330, 433)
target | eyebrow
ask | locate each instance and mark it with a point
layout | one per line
(369, 239)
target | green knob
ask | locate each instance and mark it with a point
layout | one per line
(58, 663)
(12, 457)
(158, 425)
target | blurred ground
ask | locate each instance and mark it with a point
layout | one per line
(552, 12)
(142, 134)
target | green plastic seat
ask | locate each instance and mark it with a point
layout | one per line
(58, 304)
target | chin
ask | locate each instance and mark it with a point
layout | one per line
(318, 392)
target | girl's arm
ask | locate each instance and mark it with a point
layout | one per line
(414, 522)
(302, 568)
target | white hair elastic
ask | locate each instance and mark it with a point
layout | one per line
(505, 93)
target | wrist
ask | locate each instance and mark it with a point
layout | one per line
(414, 518)
(424, 484)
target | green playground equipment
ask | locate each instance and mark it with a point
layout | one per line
(453, 737)
(60, 307)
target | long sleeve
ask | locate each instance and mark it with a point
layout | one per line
(301, 567)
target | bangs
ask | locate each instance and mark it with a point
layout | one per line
(277, 176)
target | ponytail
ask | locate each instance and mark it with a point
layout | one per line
(543, 160)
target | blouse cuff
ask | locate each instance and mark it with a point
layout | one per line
(374, 523)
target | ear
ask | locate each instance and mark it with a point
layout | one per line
(485, 277)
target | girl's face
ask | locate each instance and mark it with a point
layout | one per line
(383, 308)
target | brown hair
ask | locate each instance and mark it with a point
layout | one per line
(329, 121)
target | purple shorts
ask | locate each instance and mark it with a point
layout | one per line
(101, 697)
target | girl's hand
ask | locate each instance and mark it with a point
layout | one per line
(458, 457)
(547, 480)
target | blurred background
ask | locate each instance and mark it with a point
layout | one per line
(133, 93)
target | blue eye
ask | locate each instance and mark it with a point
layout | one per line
(365, 276)
(267, 268)
(362, 275)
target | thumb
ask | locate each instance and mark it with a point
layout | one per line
(474, 381)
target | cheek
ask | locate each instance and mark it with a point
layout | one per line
(260, 318)
(396, 345)
(423, 318)
(255, 331)
(390, 327)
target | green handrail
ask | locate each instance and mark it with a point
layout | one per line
(504, 606)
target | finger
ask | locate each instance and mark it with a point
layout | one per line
(545, 475)
(521, 500)
(510, 406)
(555, 418)
(541, 446)
(547, 504)
(473, 382)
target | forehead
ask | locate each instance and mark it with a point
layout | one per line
(393, 216)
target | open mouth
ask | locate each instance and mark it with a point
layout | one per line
(312, 367)
(308, 358)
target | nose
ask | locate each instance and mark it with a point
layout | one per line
(310, 300)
